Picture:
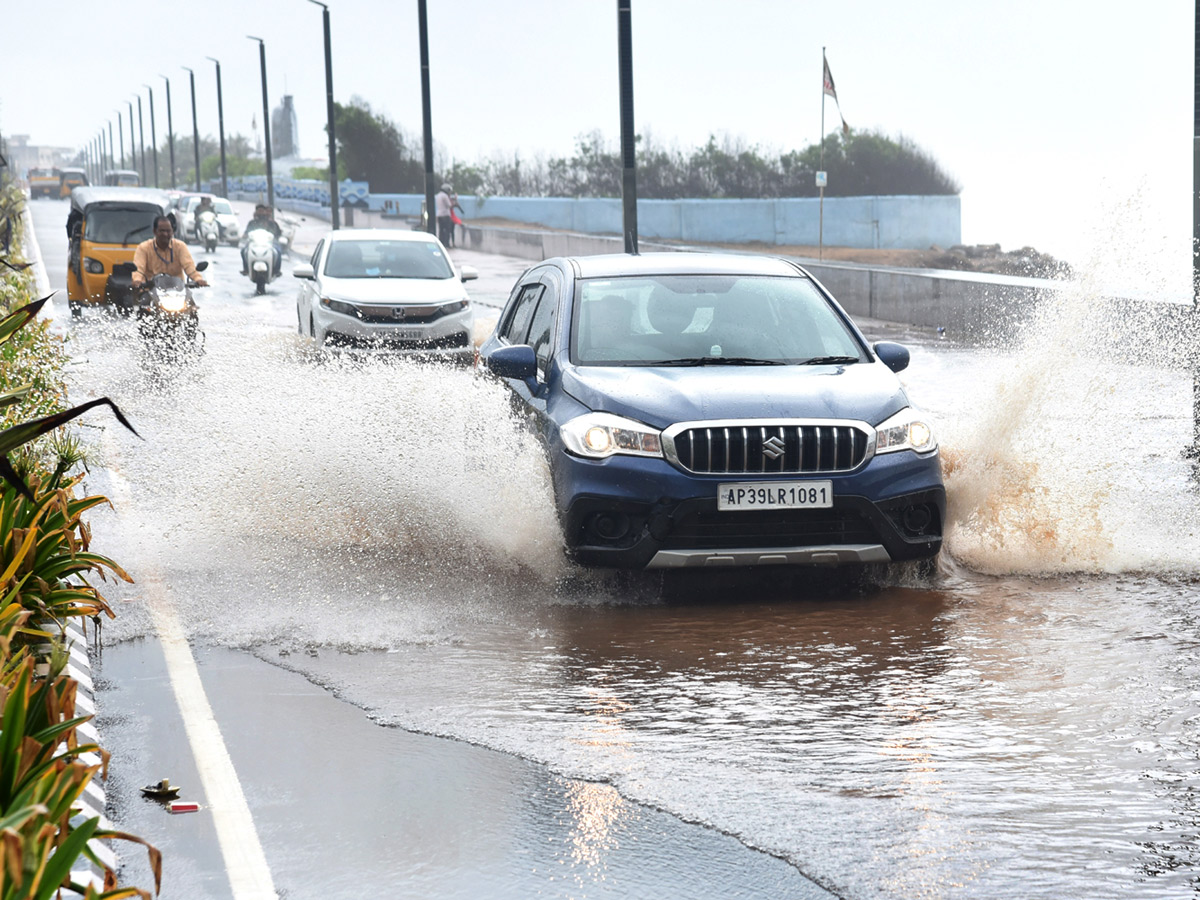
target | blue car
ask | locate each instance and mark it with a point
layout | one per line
(706, 409)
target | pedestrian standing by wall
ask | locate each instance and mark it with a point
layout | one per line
(442, 205)
(456, 212)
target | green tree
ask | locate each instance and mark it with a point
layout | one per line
(376, 151)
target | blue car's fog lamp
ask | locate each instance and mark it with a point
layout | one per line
(600, 435)
(905, 431)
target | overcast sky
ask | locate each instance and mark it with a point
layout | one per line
(1065, 122)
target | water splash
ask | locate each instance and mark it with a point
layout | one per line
(1070, 460)
(266, 438)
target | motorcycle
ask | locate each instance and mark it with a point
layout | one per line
(208, 230)
(168, 319)
(263, 256)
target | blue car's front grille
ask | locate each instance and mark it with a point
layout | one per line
(771, 449)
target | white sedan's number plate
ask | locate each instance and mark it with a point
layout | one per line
(776, 495)
(409, 335)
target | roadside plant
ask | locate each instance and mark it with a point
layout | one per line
(45, 561)
(43, 773)
(16, 436)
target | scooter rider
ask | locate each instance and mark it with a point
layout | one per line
(264, 218)
(205, 205)
(164, 254)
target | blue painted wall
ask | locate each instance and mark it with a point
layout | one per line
(894, 222)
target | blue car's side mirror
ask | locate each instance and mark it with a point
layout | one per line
(517, 361)
(894, 356)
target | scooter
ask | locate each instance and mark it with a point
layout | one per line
(208, 229)
(168, 319)
(263, 254)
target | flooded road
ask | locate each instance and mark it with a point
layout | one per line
(1024, 724)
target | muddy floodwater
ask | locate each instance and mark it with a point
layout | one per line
(1025, 723)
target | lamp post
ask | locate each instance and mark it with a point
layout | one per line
(142, 137)
(221, 128)
(132, 149)
(195, 128)
(170, 128)
(111, 162)
(262, 61)
(153, 134)
(628, 145)
(121, 132)
(334, 194)
(427, 129)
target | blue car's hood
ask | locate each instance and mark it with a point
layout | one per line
(663, 396)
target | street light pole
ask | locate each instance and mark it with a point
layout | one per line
(221, 129)
(142, 138)
(170, 128)
(334, 194)
(153, 134)
(262, 61)
(132, 149)
(195, 127)
(426, 111)
(111, 162)
(121, 131)
(628, 142)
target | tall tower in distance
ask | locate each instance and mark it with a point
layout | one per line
(284, 131)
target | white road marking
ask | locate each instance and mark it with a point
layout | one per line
(245, 862)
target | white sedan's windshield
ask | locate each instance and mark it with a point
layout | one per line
(707, 320)
(386, 259)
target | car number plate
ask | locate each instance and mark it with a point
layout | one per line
(775, 495)
(409, 335)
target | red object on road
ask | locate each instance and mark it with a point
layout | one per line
(182, 806)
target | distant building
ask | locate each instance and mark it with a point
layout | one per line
(284, 131)
(23, 155)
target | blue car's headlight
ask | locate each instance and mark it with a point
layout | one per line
(600, 435)
(906, 430)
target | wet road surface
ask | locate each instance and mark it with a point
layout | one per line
(1026, 724)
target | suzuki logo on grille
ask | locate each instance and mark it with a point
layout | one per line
(773, 447)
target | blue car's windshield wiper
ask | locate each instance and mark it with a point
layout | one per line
(716, 361)
(828, 360)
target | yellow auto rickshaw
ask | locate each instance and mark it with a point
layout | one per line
(104, 227)
(122, 178)
(69, 179)
(44, 183)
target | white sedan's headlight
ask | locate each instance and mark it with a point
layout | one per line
(600, 435)
(906, 430)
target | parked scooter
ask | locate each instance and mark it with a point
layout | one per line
(208, 229)
(167, 317)
(264, 254)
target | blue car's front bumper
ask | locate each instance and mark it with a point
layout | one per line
(636, 512)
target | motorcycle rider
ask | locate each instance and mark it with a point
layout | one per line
(264, 218)
(164, 254)
(205, 205)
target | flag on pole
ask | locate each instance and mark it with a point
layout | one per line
(828, 88)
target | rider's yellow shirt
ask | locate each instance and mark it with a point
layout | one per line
(176, 260)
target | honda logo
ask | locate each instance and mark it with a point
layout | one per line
(773, 447)
(398, 312)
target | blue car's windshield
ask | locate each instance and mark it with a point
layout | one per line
(707, 320)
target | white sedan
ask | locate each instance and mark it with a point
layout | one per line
(380, 288)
